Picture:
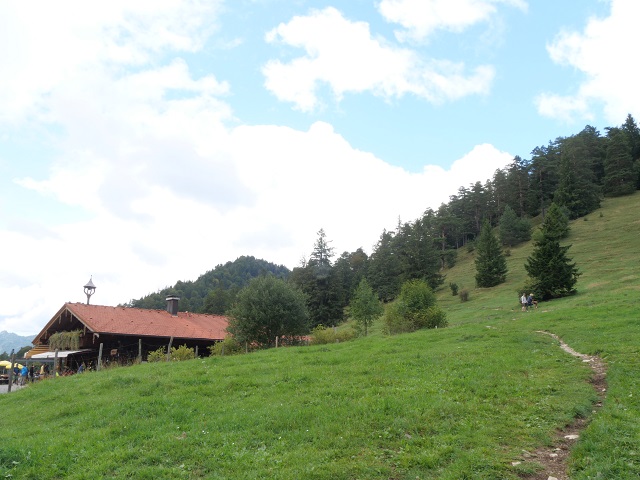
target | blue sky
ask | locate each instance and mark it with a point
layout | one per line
(146, 142)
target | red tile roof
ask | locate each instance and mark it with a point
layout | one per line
(153, 323)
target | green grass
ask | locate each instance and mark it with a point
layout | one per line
(453, 403)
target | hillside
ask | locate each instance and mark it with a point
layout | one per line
(473, 400)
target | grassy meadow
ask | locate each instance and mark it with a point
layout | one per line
(462, 402)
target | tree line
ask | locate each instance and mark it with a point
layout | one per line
(570, 174)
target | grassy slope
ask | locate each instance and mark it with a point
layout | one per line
(460, 402)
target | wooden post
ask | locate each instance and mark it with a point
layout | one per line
(100, 357)
(55, 364)
(13, 360)
(196, 351)
(246, 347)
(139, 350)
(169, 349)
(276, 341)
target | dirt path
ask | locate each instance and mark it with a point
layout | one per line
(554, 458)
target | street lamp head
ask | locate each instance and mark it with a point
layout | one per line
(89, 289)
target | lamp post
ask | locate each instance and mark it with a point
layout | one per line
(89, 289)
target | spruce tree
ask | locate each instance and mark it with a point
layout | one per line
(556, 222)
(513, 230)
(551, 273)
(491, 266)
(619, 172)
(577, 190)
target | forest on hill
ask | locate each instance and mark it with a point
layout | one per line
(574, 173)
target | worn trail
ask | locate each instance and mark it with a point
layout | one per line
(554, 458)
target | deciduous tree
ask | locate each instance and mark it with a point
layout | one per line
(267, 308)
(365, 305)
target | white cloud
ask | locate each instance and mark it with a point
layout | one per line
(44, 44)
(163, 183)
(601, 53)
(351, 60)
(421, 18)
(300, 181)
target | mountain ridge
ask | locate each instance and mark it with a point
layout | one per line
(10, 340)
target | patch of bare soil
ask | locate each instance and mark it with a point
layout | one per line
(554, 459)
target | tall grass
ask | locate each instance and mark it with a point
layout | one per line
(459, 402)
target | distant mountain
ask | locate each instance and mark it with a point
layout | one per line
(9, 341)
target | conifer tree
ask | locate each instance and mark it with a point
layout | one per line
(577, 190)
(551, 273)
(384, 270)
(556, 222)
(491, 266)
(619, 173)
(513, 230)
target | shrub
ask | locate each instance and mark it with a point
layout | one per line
(397, 320)
(464, 295)
(229, 346)
(159, 355)
(454, 288)
(394, 320)
(182, 353)
(434, 317)
(414, 309)
(322, 335)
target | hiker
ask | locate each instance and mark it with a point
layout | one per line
(24, 373)
(524, 301)
(531, 302)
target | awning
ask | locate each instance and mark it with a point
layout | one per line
(61, 354)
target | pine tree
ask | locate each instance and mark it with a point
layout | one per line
(619, 174)
(384, 270)
(577, 190)
(632, 132)
(491, 266)
(551, 273)
(321, 283)
(556, 223)
(513, 230)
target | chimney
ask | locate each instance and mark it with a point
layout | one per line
(172, 305)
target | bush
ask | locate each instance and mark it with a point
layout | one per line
(177, 354)
(159, 355)
(399, 321)
(322, 335)
(182, 353)
(464, 295)
(434, 317)
(229, 346)
(414, 309)
(395, 321)
(454, 288)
